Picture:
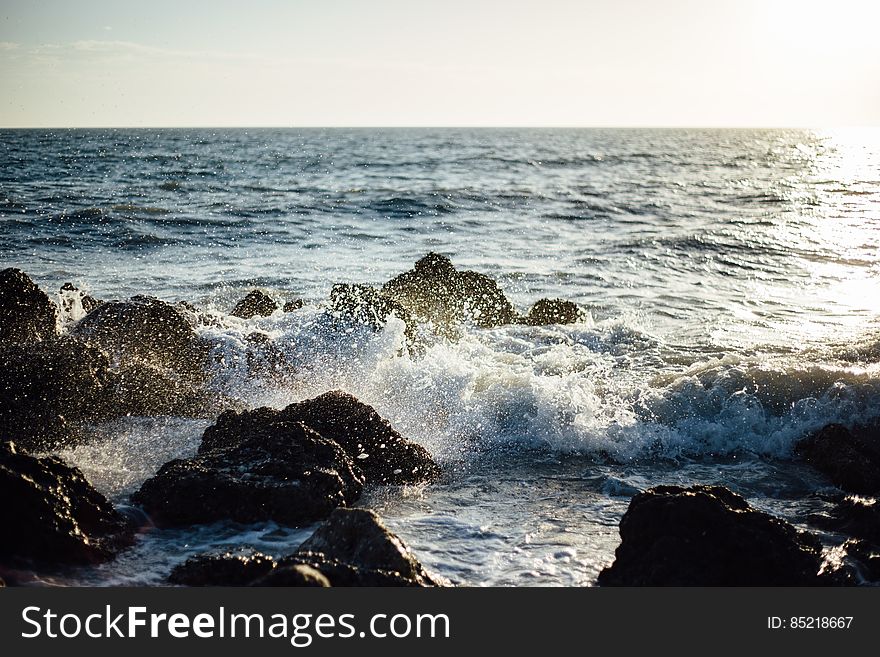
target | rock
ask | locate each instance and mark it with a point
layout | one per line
(366, 305)
(238, 568)
(292, 305)
(358, 537)
(293, 574)
(26, 312)
(142, 389)
(276, 470)
(53, 515)
(149, 330)
(47, 387)
(256, 303)
(380, 452)
(852, 516)
(865, 558)
(554, 311)
(434, 291)
(351, 548)
(849, 457)
(709, 536)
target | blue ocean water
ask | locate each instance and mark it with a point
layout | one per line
(732, 279)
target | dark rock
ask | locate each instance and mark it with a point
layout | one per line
(51, 514)
(852, 516)
(849, 457)
(434, 291)
(275, 470)
(709, 536)
(293, 574)
(141, 389)
(26, 312)
(292, 305)
(554, 311)
(358, 537)
(147, 329)
(47, 387)
(384, 456)
(366, 305)
(238, 568)
(256, 303)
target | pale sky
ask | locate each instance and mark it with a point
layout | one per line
(439, 63)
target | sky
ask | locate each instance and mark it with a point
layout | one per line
(439, 63)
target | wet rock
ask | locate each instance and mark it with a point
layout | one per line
(852, 516)
(553, 311)
(849, 457)
(292, 305)
(358, 537)
(275, 470)
(142, 389)
(380, 452)
(709, 536)
(255, 304)
(26, 312)
(51, 514)
(238, 568)
(293, 574)
(47, 387)
(146, 329)
(366, 305)
(434, 291)
(864, 558)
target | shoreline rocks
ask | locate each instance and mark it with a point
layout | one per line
(52, 515)
(710, 536)
(351, 548)
(849, 457)
(27, 313)
(255, 304)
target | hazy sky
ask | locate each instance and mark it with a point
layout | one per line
(439, 62)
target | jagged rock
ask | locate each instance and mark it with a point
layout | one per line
(293, 574)
(277, 470)
(256, 303)
(47, 387)
(292, 305)
(238, 568)
(553, 311)
(51, 514)
(384, 456)
(146, 329)
(434, 291)
(709, 536)
(865, 558)
(849, 457)
(26, 312)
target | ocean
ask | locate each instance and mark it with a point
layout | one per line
(731, 279)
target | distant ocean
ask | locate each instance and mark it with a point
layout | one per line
(732, 279)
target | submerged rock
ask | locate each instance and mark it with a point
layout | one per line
(51, 514)
(853, 516)
(47, 387)
(26, 312)
(276, 470)
(256, 304)
(434, 291)
(351, 548)
(238, 568)
(849, 457)
(709, 536)
(553, 311)
(292, 305)
(380, 452)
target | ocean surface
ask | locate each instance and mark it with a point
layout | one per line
(732, 279)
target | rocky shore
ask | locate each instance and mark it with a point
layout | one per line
(311, 461)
